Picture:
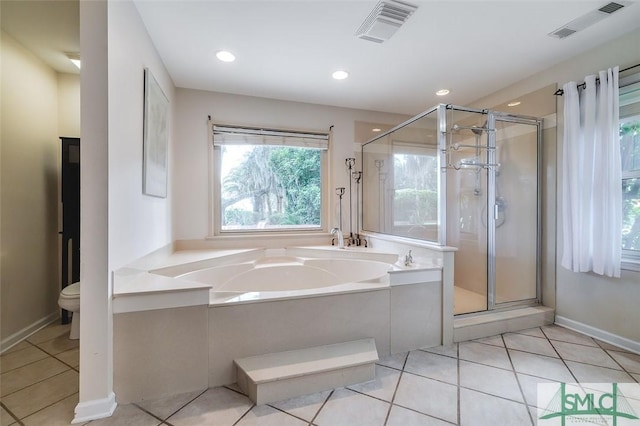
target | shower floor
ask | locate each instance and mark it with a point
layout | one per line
(466, 301)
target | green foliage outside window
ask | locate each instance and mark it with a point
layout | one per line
(272, 186)
(415, 206)
(415, 200)
(630, 155)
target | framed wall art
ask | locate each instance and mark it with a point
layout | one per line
(155, 138)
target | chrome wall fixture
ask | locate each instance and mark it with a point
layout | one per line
(350, 163)
(382, 177)
(476, 160)
(466, 155)
(353, 238)
(340, 193)
(358, 241)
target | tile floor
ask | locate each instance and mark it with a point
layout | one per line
(490, 381)
(39, 379)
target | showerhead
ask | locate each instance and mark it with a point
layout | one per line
(477, 130)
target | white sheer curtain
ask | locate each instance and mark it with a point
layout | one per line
(591, 176)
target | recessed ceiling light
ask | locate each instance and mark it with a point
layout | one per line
(225, 56)
(340, 75)
(514, 103)
(442, 92)
(376, 130)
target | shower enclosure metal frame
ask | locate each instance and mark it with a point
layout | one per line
(492, 118)
(443, 130)
(533, 121)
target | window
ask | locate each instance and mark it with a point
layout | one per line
(415, 196)
(268, 179)
(630, 156)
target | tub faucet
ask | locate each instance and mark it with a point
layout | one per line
(335, 231)
(408, 259)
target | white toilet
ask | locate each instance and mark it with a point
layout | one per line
(70, 300)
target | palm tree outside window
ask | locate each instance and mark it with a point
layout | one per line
(268, 179)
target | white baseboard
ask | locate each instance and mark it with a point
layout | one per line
(605, 336)
(95, 409)
(20, 335)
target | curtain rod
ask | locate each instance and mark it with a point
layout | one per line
(560, 92)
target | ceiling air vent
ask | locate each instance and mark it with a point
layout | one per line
(564, 32)
(611, 7)
(587, 20)
(384, 20)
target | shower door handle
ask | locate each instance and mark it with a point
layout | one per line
(496, 211)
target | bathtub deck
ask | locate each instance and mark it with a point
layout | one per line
(274, 377)
(161, 306)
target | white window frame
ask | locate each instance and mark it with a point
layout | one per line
(630, 258)
(270, 136)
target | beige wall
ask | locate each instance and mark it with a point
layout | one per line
(119, 223)
(29, 261)
(138, 223)
(69, 105)
(190, 165)
(607, 307)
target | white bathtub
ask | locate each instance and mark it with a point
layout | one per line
(229, 304)
(289, 273)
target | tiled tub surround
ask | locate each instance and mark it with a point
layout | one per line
(177, 325)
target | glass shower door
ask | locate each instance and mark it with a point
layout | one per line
(516, 212)
(493, 209)
(467, 223)
(467, 201)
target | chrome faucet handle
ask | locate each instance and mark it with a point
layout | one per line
(338, 231)
(408, 259)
